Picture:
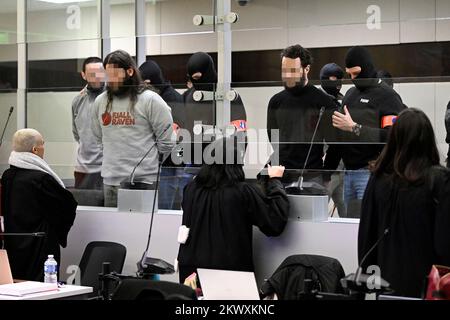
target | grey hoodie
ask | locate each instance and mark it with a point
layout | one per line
(127, 136)
(90, 153)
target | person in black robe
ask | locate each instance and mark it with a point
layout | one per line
(406, 207)
(34, 200)
(220, 209)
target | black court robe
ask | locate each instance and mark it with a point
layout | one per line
(418, 218)
(221, 224)
(32, 201)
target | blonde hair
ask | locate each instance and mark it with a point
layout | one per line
(24, 140)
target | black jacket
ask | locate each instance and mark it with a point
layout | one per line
(418, 218)
(295, 117)
(288, 281)
(367, 108)
(221, 224)
(32, 201)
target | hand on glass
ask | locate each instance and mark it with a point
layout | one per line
(275, 171)
(344, 121)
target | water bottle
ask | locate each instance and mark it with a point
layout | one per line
(51, 270)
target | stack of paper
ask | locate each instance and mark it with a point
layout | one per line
(28, 287)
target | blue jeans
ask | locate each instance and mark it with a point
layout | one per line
(173, 181)
(355, 183)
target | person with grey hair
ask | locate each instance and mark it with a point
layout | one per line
(34, 199)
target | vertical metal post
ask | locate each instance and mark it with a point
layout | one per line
(22, 62)
(104, 20)
(223, 113)
(141, 44)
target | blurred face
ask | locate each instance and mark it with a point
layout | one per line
(116, 76)
(353, 72)
(38, 149)
(94, 75)
(292, 71)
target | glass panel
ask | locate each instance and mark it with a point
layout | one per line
(122, 19)
(8, 22)
(56, 21)
(170, 29)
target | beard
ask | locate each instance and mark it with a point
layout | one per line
(122, 89)
(298, 88)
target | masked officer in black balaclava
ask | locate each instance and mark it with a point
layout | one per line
(331, 81)
(172, 180)
(202, 74)
(370, 109)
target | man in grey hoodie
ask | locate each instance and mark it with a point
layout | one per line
(130, 121)
(90, 154)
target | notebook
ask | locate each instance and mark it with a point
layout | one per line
(5, 269)
(28, 287)
(228, 285)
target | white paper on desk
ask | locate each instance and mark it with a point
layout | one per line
(28, 287)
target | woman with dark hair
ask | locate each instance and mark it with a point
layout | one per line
(406, 206)
(220, 210)
(128, 121)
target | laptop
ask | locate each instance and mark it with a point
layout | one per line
(5, 269)
(228, 285)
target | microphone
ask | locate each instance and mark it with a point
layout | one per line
(355, 281)
(322, 111)
(6, 125)
(140, 185)
(149, 266)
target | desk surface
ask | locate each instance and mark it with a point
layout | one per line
(63, 292)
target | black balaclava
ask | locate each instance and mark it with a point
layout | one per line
(151, 71)
(202, 62)
(360, 57)
(332, 87)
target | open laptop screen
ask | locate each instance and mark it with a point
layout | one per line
(228, 285)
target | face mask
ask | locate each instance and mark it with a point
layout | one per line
(364, 83)
(332, 87)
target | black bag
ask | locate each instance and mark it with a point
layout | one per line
(288, 281)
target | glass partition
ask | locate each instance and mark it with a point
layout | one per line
(409, 40)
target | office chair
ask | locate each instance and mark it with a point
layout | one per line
(95, 254)
(143, 289)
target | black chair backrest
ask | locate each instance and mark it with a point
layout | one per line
(143, 289)
(95, 254)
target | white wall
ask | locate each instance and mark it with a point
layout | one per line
(263, 24)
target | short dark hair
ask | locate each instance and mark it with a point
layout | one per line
(91, 60)
(297, 51)
(411, 148)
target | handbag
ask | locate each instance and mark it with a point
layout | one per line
(438, 283)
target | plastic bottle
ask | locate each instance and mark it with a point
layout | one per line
(51, 270)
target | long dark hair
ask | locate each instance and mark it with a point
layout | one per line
(226, 171)
(132, 85)
(411, 148)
